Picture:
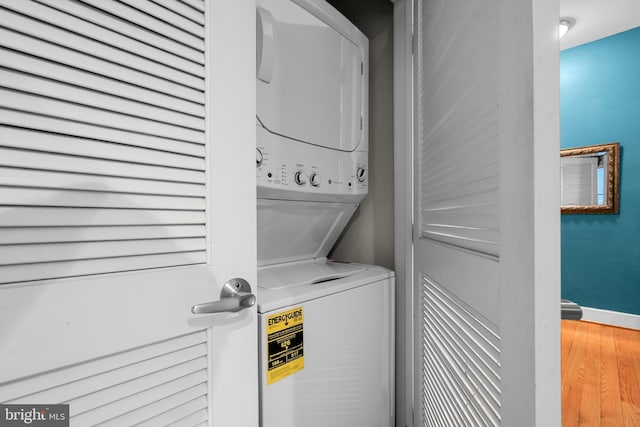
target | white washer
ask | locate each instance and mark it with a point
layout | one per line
(326, 328)
(345, 341)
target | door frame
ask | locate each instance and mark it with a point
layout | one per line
(546, 189)
(403, 202)
(230, 129)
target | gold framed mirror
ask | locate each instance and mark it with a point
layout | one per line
(589, 179)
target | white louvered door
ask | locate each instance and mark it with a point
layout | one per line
(486, 234)
(127, 195)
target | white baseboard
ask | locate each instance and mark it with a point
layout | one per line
(613, 318)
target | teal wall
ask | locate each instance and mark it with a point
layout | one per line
(600, 103)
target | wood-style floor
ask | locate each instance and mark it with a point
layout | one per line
(600, 375)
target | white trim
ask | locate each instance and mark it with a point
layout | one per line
(546, 177)
(231, 118)
(612, 318)
(403, 193)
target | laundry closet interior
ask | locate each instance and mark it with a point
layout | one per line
(326, 309)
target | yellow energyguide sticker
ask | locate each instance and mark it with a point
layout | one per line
(285, 346)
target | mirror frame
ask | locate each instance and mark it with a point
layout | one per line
(612, 201)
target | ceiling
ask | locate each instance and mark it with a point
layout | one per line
(596, 19)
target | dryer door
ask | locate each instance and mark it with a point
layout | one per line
(311, 74)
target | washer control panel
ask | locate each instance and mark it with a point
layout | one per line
(285, 165)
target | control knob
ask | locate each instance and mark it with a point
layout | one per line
(361, 174)
(300, 178)
(259, 158)
(314, 179)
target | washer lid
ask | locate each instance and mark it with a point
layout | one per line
(306, 274)
(311, 77)
(286, 285)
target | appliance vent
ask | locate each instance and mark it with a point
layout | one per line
(460, 361)
(102, 137)
(158, 384)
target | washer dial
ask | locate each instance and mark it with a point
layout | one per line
(361, 174)
(314, 179)
(259, 158)
(300, 178)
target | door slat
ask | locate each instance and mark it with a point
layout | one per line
(169, 15)
(182, 9)
(80, 43)
(27, 139)
(73, 112)
(88, 62)
(62, 73)
(64, 269)
(31, 235)
(120, 26)
(148, 22)
(64, 163)
(89, 131)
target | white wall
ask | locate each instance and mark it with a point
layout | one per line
(369, 236)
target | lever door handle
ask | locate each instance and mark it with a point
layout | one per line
(234, 296)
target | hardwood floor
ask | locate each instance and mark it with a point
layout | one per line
(600, 375)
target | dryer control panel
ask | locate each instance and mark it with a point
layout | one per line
(293, 170)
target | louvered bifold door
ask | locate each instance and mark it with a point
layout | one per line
(102, 142)
(457, 333)
(161, 384)
(115, 160)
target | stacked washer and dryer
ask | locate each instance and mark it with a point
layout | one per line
(326, 328)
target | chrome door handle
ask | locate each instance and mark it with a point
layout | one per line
(234, 296)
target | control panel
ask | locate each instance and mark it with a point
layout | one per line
(290, 169)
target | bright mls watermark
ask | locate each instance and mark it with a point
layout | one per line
(34, 415)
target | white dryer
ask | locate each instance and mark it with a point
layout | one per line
(312, 139)
(326, 328)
